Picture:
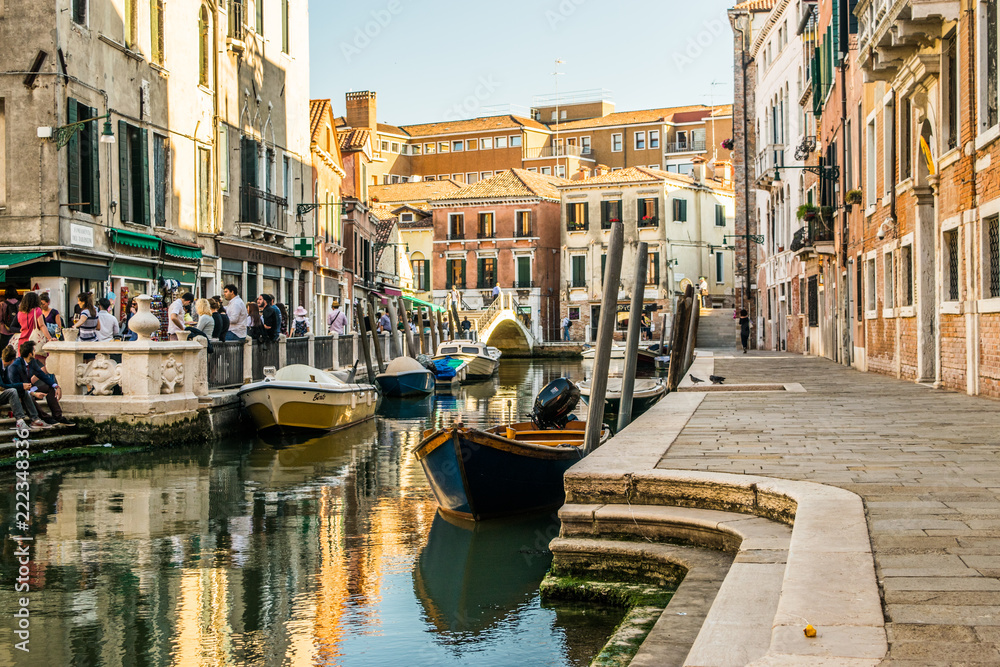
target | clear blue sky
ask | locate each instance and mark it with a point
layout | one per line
(433, 60)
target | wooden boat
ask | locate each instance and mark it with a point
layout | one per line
(405, 376)
(645, 394)
(303, 397)
(483, 360)
(502, 471)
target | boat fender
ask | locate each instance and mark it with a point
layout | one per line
(354, 400)
(368, 397)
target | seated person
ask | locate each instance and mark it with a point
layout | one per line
(25, 411)
(27, 371)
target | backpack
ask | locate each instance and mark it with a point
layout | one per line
(301, 328)
(10, 318)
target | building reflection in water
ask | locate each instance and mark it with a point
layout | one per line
(265, 552)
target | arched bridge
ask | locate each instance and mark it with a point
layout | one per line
(501, 326)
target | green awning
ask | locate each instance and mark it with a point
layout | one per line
(181, 251)
(9, 260)
(133, 270)
(135, 239)
(182, 276)
(421, 302)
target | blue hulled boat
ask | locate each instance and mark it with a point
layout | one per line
(405, 376)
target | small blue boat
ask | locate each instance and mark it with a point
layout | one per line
(405, 376)
(449, 372)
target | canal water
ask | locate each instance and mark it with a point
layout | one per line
(325, 551)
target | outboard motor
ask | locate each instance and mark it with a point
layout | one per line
(554, 404)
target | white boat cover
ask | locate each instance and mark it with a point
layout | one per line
(303, 373)
(401, 365)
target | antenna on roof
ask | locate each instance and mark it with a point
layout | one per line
(711, 105)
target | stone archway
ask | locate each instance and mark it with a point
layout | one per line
(508, 334)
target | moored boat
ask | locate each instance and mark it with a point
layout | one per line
(483, 359)
(449, 372)
(617, 352)
(645, 394)
(405, 376)
(508, 469)
(303, 397)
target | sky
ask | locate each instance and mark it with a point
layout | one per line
(436, 60)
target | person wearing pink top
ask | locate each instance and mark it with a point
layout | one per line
(30, 317)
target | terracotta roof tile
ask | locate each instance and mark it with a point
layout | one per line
(756, 5)
(353, 140)
(317, 109)
(412, 193)
(668, 114)
(509, 183)
(472, 125)
(391, 129)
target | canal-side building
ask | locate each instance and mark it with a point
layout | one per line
(685, 221)
(201, 177)
(328, 225)
(501, 231)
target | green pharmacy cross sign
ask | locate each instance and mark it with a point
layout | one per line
(304, 246)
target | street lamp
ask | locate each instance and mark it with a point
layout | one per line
(65, 133)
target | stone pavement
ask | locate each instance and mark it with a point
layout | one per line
(926, 463)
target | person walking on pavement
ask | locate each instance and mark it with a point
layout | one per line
(236, 310)
(336, 321)
(744, 329)
(466, 325)
(300, 325)
(566, 324)
(496, 291)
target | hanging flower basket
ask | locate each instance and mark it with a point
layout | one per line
(853, 197)
(728, 144)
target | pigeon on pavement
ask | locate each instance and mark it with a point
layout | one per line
(716, 379)
(695, 380)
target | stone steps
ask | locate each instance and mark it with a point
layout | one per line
(59, 437)
(717, 329)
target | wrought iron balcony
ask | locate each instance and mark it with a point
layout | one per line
(553, 151)
(690, 145)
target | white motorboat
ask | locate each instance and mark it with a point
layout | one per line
(303, 397)
(646, 392)
(483, 360)
(617, 352)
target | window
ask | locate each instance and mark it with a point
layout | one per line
(991, 252)
(443, 147)
(604, 264)
(611, 211)
(487, 229)
(223, 144)
(524, 271)
(547, 171)
(813, 290)
(888, 152)
(421, 274)
(951, 265)
(456, 225)
(236, 18)
(484, 175)
(561, 170)
(204, 190)
(395, 147)
(83, 160)
(133, 174)
(720, 268)
(802, 293)
(870, 165)
(203, 46)
(949, 93)
(682, 139)
(988, 66)
(260, 16)
(577, 217)
(80, 12)
(720, 215)
(455, 273)
(906, 275)
(471, 144)
(131, 24)
(888, 278)
(640, 141)
(869, 285)
(457, 146)
(249, 168)
(680, 210)
(156, 31)
(286, 174)
(616, 143)
(515, 141)
(860, 288)
(501, 142)
(533, 170)
(384, 146)
(430, 148)
(487, 272)
(648, 212)
(849, 155)
(284, 26)
(905, 147)
(579, 270)
(654, 166)
(161, 176)
(472, 177)
(653, 268)
(458, 177)
(522, 224)
(486, 143)
(415, 149)
(654, 138)
(585, 145)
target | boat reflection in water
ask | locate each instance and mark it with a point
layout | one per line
(407, 408)
(471, 576)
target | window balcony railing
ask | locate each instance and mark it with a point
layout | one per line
(527, 233)
(263, 209)
(524, 284)
(576, 226)
(486, 234)
(553, 151)
(649, 221)
(684, 146)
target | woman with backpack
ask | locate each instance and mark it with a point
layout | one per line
(8, 315)
(300, 325)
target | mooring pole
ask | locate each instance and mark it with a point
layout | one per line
(410, 349)
(663, 333)
(373, 326)
(435, 334)
(365, 352)
(632, 341)
(605, 333)
(394, 342)
(420, 330)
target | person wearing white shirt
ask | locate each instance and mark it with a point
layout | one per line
(236, 309)
(109, 323)
(175, 314)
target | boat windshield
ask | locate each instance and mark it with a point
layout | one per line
(449, 350)
(470, 350)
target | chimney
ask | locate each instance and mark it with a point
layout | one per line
(601, 169)
(361, 110)
(580, 174)
(698, 172)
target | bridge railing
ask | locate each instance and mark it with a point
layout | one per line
(492, 311)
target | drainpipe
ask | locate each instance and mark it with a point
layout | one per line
(847, 354)
(894, 128)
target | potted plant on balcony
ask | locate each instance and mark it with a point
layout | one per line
(807, 212)
(728, 144)
(648, 219)
(852, 197)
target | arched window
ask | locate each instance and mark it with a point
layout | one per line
(203, 46)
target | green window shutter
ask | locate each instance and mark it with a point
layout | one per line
(604, 262)
(655, 258)
(656, 209)
(480, 271)
(605, 216)
(73, 156)
(570, 214)
(448, 268)
(640, 210)
(95, 164)
(462, 285)
(586, 216)
(427, 274)
(684, 210)
(144, 184)
(123, 172)
(835, 33)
